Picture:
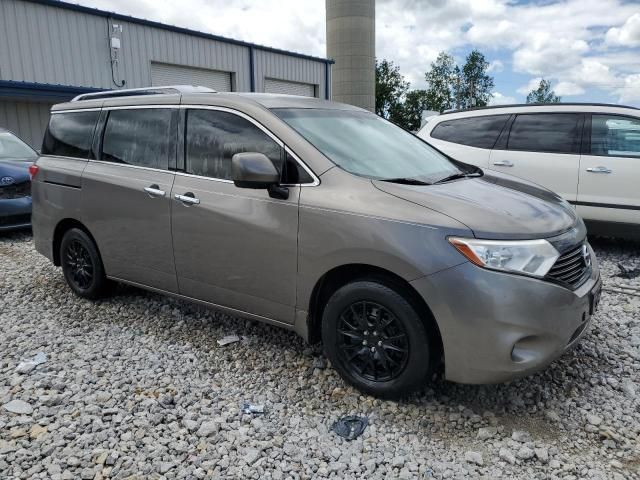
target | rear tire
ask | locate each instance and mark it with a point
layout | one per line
(82, 265)
(376, 340)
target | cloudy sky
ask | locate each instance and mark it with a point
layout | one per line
(589, 49)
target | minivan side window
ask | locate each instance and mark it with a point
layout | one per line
(70, 134)
(481, 132)
(140, 137)
(213, 137)
(615, 136)
(546, 132)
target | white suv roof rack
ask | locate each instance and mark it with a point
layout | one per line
(164, 90)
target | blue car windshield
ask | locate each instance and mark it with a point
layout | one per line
(366, 145)
(11, 148)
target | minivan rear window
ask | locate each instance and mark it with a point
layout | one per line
(70, 134)
(139, 137)
(546, 132)
(480, 132)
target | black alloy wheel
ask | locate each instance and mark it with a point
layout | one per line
(78, 262)
(372, 342)
(82, 265)
(377, 337)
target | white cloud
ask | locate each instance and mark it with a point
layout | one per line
(533, 84)
(495, 66)
(500, 99)
(628, 35)
(568, 89)
(629, 91)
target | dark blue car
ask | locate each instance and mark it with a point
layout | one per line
(15, 183)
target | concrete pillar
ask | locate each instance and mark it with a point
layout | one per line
(351, 42)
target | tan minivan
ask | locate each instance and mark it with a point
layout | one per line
(321, 218)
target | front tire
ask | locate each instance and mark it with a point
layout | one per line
(82, 266)
(376, 340)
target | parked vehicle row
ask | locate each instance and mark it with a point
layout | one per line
(15, 184)
(318, 217)
(589, 154)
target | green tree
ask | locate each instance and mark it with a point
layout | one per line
(415, 102)
(440, 93)
(390, 90)
(474, 85)
(543, 94)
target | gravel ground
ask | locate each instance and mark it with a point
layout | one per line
(136, 386)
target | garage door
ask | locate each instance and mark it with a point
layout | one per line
(271, 85)
(166, 74)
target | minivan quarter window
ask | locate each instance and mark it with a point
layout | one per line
(139, 137)
(615, 136)
(546, 132)
(70, 134)
(480, 132)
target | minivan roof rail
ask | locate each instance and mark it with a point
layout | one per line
(518, 105)
(127, 92)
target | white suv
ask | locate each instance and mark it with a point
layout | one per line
(588, 153)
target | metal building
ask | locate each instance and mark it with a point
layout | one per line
(51, 51)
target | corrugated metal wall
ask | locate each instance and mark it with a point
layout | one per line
(27, 119)
(45, 44)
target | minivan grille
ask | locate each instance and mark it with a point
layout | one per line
(17, 190)
(572, 268)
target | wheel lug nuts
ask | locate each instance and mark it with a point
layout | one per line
(380, 343)
(375, 334)
(366, 332)
(373, 349)
(364, 342)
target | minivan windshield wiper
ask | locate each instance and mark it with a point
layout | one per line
(406, 181)
(458, 175)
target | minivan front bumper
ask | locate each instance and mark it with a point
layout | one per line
(497, 326)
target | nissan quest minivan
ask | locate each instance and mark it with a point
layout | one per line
(321, 218)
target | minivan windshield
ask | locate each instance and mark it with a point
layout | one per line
(11, 147)
(366, 145)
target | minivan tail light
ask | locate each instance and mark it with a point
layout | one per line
(33, 171)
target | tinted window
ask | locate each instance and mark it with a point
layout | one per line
(213, 137)
(293, 172)
(481, 132)
(554, 133)
(138, 137)
(70, 134)
(615, 136)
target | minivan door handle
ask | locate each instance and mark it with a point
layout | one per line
(503, 163)
(599, 170)
(154, 191)
(188, 198)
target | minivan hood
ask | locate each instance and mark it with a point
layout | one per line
(492, 206)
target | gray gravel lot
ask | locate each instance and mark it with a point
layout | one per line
(136, 386)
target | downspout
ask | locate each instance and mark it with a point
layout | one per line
(252, 83)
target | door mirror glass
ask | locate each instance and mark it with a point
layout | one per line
(253, 170)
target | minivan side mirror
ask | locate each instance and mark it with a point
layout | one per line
(256, 170)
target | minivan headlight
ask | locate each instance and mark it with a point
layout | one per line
(530, 257)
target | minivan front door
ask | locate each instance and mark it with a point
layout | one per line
(126, 196)
(543, 148)
(234, 247)
(609, 188)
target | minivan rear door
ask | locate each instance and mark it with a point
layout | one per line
(234, 247)
(126, 194)
(543, 148)
(609, 187)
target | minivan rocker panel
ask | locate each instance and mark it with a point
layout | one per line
(402, 262)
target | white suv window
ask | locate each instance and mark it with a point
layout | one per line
(615, 136)
(546, 132)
